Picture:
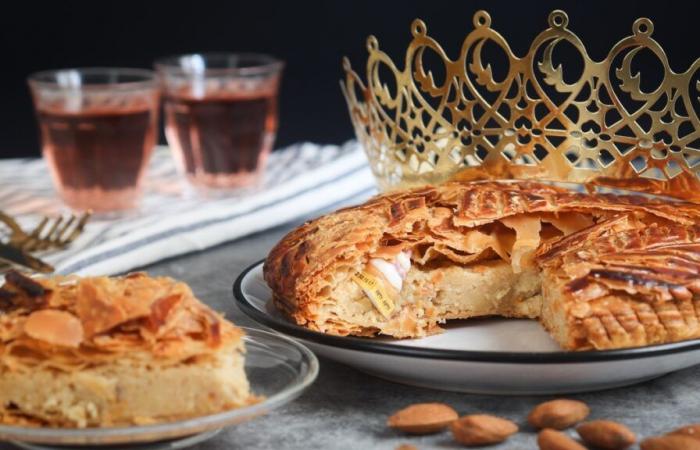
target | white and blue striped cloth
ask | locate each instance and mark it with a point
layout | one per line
(300, 180)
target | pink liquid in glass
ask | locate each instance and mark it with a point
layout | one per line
(98, 157)
(98, 130)
(221, 140)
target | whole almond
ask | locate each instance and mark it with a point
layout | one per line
(606, 434)
(670, 442)
(423, 418)
(549, 439)
(482, 429)
(406, 447)
(558, 414)
(688, 430)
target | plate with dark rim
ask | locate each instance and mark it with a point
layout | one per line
(488, 356)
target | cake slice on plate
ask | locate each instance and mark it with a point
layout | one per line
(98, 351)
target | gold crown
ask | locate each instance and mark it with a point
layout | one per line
(601, 129)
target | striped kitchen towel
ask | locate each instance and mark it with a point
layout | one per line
(299, 181)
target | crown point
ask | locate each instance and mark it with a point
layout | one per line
(584, 130)
(558, 19)
(482, 19)
(643, 27)
(372, 43)
(418, 28)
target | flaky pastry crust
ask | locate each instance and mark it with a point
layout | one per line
(70, 322)
(628, 281)
(464, 224)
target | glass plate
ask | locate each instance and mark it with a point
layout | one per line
(277, 367)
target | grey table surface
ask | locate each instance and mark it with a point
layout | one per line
(347, 409)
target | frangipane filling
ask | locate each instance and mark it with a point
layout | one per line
(409, 284)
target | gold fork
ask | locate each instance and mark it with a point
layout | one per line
(56, 233)
(49, 234)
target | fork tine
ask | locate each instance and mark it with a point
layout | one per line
(28, 242)
(47, 240)
(78, 228)
(41, 241)
(60, 235)
(52, 228)
(40, 227)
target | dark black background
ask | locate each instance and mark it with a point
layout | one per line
(311, 36)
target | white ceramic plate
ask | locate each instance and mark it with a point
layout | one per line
(277, 367)
(491, 356)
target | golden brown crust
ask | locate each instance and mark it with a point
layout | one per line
(628, 281)
(438, 220)
(70, 322)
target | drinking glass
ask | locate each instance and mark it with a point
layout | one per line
(220, 115)
(98, 129)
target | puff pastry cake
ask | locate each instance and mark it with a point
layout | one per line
(599, 271)
(84, 352)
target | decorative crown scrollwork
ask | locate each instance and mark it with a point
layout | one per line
(439, 118)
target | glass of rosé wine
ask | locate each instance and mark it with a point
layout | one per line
(98, 130)
(220, 115)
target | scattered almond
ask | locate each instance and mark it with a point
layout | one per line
(549, 439)
(606, 434)
(55, 327)
(423, 418)
(482, 429)
(688, 430)
(670, 442)
(558, 414)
